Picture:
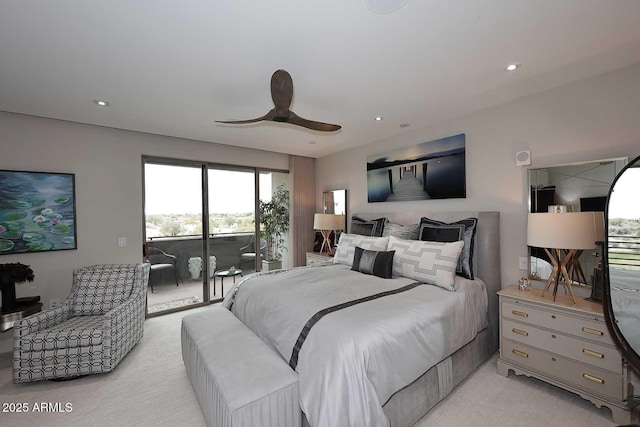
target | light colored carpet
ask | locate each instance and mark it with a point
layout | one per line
(150, 388)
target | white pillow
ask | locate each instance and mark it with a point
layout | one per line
(427, 262)
(347, 246)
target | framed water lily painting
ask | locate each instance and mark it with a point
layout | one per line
(37, 212)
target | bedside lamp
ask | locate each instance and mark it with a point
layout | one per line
(326, 223)
(571, 232)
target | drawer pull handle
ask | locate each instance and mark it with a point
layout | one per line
(520, 313)
(593, 353)
(592, 378)
(592, 331)
(520, 332)
(520, 353)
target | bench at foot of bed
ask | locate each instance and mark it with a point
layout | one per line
(238, 380)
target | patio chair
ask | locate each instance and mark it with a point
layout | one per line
(160, 262)
(248, 252)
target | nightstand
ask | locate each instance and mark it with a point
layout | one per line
(315, 259)
(565, 344)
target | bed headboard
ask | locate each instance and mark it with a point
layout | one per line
(486, 251)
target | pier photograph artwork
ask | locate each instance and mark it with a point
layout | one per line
(430, 170)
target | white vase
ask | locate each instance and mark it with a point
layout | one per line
(195, 266)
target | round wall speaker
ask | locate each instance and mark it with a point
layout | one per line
(523, 158)
(385, 6)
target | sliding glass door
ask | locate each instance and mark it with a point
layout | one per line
(232, 227)
(173, 236)
(202, 229)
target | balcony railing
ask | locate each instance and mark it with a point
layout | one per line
(225, 247)
(624, 252)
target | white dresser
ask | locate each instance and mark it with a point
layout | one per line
(564, 344)
(316, 259)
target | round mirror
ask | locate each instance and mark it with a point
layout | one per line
(622, 262)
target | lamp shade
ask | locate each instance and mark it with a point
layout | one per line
(571, 230)
(325, 222)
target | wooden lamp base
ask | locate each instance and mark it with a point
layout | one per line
(326, 242)
(560, 271)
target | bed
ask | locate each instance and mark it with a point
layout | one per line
(375, 351)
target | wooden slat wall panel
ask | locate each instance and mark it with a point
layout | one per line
(302, 170)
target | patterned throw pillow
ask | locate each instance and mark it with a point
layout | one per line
(407, 232)
(468, 227)
(427, 262)
(377, 263)
(365, 227)
(347, 246)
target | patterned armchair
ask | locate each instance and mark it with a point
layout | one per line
(90, 332)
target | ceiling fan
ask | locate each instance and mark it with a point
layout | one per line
(282, 94)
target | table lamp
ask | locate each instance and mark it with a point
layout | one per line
(326, 223)
(564, 236)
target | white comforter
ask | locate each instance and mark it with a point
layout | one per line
(354, 359)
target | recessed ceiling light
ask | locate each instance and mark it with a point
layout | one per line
(377, 119)
(312, 142)
(385, 6)
(101, 103)
(512, 67)
(404, 125)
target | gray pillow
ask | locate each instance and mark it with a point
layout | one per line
(426, 262)
(365, 227)
(377, 263)
(407, 232)
(447, 233)
(348, 243)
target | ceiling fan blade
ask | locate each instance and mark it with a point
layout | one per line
(282, 95)
(294, 119)
(281, 90)
(268, 116)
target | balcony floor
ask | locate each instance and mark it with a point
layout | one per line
(169, 296)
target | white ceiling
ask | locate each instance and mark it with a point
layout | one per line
(174, 67)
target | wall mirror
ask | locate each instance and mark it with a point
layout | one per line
(335, 202)
(574, 187)
(622, 262)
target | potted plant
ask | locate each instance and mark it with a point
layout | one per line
(10, 274)
(274, 220)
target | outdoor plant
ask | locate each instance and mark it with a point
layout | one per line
(274, 220)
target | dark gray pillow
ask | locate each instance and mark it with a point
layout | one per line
(447, 232)
(441, 233)
(377, 263)
(365, 227)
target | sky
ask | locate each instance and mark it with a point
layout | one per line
(177, 190)
(624, 202)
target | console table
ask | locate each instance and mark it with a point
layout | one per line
(7, 320)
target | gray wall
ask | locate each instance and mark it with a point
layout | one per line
(108, 168)
(596, 118)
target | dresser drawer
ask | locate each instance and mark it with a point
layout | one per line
(588, 328)
(585, 377)
(592, 353)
